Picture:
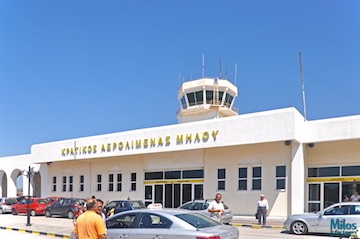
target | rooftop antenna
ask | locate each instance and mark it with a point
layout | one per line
(235, 73)
(203, 65)
(220, 67)
(302, 88)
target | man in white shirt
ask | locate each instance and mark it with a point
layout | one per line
(216, 208)
(262, 208)
(355, 197)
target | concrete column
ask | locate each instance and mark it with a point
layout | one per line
(297, 179)
(11, 185)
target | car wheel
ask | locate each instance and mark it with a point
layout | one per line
(70, 214)
(47, 213)
(299, 228)
(32, 213)
(13, 211)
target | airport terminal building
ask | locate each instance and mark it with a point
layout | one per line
(299, 165)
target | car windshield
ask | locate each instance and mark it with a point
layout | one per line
(137, 204)
(195, 206)
(197, 220)
(10, 201)
(80, 202)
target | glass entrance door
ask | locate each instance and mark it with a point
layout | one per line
(331, 193)
(173, 195)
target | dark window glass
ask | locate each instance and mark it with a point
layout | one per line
(119, 177)
(280, 184)
(314, 207)
(183, 102)
(122, 221)
(256, 184)
(350, 171)
(70, 179)
(242, 185)
(209, 96)
(99, 187)
(133, 186)
(191, 98)
(242, 172)
(228, 100)
(154, 175)
(193, 174)
(99, 178)
(81, 178)
(221, 173)
(314, 192)
(221, 94)
(64, 179)
(111, 178)
(199, 97)
(256, 172)
(81, 188)
(172, 174)
(54, 179)
(148, 192)
(324, 172)
(118, 187)
(280, 171)
(54, 188)
(111, 187)
(221, 185)
(133, 176)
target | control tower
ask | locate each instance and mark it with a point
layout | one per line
(206, 98)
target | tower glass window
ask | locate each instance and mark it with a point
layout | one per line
(228, 100)
(183, 102)
(209, 96)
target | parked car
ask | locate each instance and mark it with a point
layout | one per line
(117, 206)
(201, 206)
(53, 199)
(66, 207)
(166, 223)
(338, 220)
(6, 203)
(37, 206)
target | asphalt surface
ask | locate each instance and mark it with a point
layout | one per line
(62, 227)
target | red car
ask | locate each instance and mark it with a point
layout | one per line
(37, 206)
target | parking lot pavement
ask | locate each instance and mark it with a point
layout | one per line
(248, 221)
(57, 227)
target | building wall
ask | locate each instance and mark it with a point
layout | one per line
(268, 156)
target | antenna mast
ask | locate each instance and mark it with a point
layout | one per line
(220, 67)
(235, 73)
(203, 66)
(302, 88)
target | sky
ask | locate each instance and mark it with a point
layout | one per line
(71, 69)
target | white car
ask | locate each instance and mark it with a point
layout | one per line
(339, 219)
(201, 206)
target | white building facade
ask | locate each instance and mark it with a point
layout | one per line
(299, 165)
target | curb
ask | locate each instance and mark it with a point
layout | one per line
(256, 226)
(35, 232)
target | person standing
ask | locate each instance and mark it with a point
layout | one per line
(355, 197)
(99, 209)
(216, 208)
(90, 225)
(262, 208)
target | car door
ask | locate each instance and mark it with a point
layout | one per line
(121, 226)
(56, 207)
(151, 226)
(334, 220)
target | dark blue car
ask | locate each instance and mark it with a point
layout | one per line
(117, 206)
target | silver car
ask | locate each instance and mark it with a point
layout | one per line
(6, 203)
(166, 223)
(339, 219)
(201, 206)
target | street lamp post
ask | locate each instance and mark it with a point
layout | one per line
(29, 174)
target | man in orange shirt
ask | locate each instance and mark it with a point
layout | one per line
(90, 224)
